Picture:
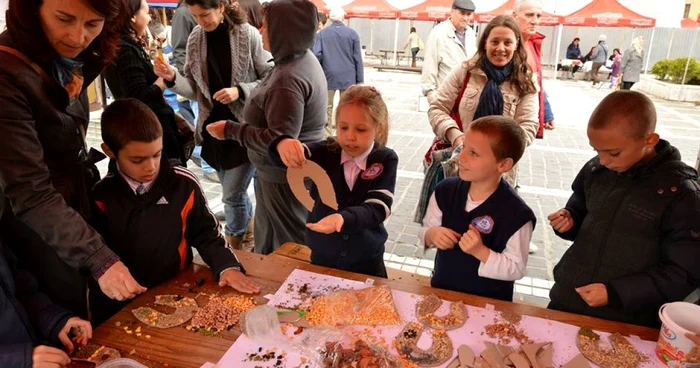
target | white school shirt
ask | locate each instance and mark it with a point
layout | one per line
(353, 165)
(510, 265)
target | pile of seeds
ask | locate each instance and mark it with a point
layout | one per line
(507, 329)
(371, 306)
(268, 356)
(427, 306)
(621, 354)
(407, 345)
(221, 313)
(185, 308)
(358, 355)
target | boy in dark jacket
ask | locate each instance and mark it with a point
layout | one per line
(150, 213)
(479, 224)
(634, 218)
(31, 326)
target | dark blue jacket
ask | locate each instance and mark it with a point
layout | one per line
(573, 52)
(338, 49)
(27, 317)
(364, 209)
(498, 218)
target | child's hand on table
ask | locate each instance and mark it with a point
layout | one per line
(48, 357)
(595, 295)
(75, 331)
(237, 280)
(561, 221)
(291, 152)
(328, 225)
(441, 237)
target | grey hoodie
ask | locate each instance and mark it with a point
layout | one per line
(600, 55)
(292, 99)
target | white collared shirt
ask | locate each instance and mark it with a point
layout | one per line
(510, 265)
(352, 166)
(134, 184)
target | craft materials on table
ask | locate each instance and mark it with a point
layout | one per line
(550, 338)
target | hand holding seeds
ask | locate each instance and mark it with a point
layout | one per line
(561, 221)
(441, 237)
(471, 244)
(595, 295)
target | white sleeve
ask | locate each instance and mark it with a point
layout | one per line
(511, 264)
(433, 217)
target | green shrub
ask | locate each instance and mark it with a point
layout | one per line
(673, 70)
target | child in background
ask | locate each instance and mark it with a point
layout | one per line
(363, 172)
(616, 61)
(634, 218)
(479, 224)
(150, 213)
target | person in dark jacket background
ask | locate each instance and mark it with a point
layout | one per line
(573, 52)
(338, 49)
(45, 165)
(31, 326)
(634, 218)
(132, 76)
(291, 101)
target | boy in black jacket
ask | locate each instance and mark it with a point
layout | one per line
(31, 326)
(150, 213)
(634, 218)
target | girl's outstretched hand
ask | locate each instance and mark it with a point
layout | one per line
(328, 225)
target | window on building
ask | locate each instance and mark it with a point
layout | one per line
(686, 13)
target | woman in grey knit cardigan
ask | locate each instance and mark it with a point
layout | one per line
(225, 61)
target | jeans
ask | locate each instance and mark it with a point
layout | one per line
(237, 205)
(190, 111)
(329, 125)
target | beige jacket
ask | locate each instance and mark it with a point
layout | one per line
(523, 109)
(444, 52)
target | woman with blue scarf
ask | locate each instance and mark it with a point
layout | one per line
(497, 81)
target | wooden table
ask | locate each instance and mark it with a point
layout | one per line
(385, 56)
(177, 347)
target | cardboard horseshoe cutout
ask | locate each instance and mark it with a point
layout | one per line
(426, 308)
(311, 170)
(438, 353)
(619, 353)
(185, 308)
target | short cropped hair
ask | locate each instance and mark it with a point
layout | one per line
(128, 120)
(507, 138)
(631, 108)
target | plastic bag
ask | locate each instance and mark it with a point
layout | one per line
(371, 306)
(326, 347)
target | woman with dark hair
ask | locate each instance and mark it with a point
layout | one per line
(253, 10)
(414, 42)
(499, 82)
(224, 63)
(132, 76)
(52, 50)
(292, 101)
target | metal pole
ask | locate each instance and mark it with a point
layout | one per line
(670, 44)
(687, 63)
(371, 36)
(651, 44)
(396, 40)
(556, 56)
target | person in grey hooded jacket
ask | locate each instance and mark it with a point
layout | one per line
(598, 57)
(291, 101)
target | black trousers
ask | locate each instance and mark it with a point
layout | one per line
(627, 85)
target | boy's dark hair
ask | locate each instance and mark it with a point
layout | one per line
(128, 120)
(322, 19)
(577, 39)
(633, 109)
(507, 138)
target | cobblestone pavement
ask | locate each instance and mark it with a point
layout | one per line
(546, 170)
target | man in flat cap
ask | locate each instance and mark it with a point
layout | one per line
(449, 44)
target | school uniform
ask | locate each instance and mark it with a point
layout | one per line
(505, 223)
(364, 188)
(153, 226)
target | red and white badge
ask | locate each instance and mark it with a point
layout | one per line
(373, 171)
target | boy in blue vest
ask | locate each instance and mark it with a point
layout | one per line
(634, 219)
(479, 224)
(150, 213)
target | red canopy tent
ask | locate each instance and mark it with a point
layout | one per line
(607, 13)
(689, 23)
(434, 10)
(370, 9)
(507, 9)
(322, 6)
